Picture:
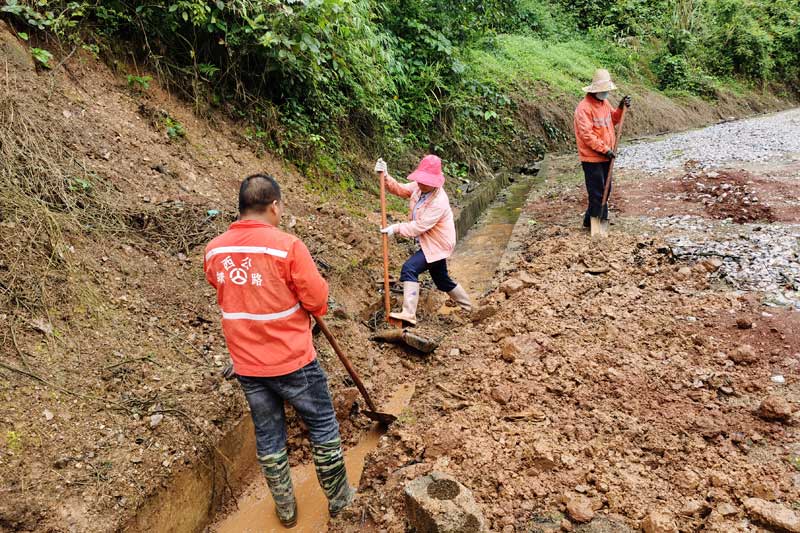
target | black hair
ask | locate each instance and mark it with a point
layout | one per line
(257, 192)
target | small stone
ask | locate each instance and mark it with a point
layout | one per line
(48, 415)
(455, 352)
(773, 514)
(509, 349)
(744, 354)
(155, 420)
(483, 312)
(744, 323)
(726, 509)
(579, 509)
(684, 273)
(692, 507)
(775, 409)
(501, 394)
(658, 522)
(711, 265)
(511, 286)
(136, 459)
(777, 378)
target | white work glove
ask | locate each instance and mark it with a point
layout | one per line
(380, 166)
(389, 230)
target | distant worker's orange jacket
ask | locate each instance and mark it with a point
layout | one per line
(267, 286)
(594, 128)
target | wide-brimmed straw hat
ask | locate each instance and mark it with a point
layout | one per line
(429, 172)
(601, 82)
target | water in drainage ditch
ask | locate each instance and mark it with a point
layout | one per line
(256, 511)
(478, 254)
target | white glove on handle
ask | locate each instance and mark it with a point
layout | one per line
(380, 166)
(389, 230)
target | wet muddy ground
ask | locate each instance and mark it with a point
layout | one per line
(646, 381)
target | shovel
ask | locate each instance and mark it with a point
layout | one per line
(599, 227)
(373, 414)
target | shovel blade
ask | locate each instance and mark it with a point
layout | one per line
(382, 418)
(599, 228)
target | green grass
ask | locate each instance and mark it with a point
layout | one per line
(516, 61)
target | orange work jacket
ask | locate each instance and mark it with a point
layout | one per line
(594, 128)
(267, 286)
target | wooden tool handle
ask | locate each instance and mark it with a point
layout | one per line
(607, 188)
(345, 361)
(387, 302)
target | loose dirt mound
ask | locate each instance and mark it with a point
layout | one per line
(619, 393)
(726, 194)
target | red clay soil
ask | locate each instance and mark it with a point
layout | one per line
(637, 389)
(769, 195)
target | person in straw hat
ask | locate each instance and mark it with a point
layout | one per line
(594, 133)
(431, 225)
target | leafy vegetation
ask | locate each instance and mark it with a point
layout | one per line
(310, 76)
(139, 83)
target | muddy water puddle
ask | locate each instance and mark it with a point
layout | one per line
(256, 510)
(478, 255)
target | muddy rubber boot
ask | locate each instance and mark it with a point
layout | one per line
(410, 301)
(332, 475)
(279, 480)
(459, 296)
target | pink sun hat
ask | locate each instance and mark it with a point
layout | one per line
(429, 172)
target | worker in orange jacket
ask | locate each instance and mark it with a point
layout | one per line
(594, 133)
(268, 287)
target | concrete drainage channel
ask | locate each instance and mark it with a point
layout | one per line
(192, 500)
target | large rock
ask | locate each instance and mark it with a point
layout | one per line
(437, 503)
(776, 409)
(773, 514)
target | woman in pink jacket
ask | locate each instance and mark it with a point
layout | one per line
(431, 225)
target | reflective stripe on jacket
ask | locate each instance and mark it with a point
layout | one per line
(433, 223)
(594, 128)
(267, 285)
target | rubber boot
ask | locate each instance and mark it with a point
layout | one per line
(410, 301)
(332, 475)
(279, 480)
(459, 296)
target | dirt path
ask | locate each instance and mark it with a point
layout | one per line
(647, 378)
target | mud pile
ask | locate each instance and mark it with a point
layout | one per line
(726, 194)
(601, 384)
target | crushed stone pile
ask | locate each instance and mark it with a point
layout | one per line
(759, 139)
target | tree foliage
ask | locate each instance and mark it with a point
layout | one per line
(309, 73)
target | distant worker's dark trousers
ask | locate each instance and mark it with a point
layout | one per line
(595, 175)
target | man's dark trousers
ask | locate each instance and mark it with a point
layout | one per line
(595, 175)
